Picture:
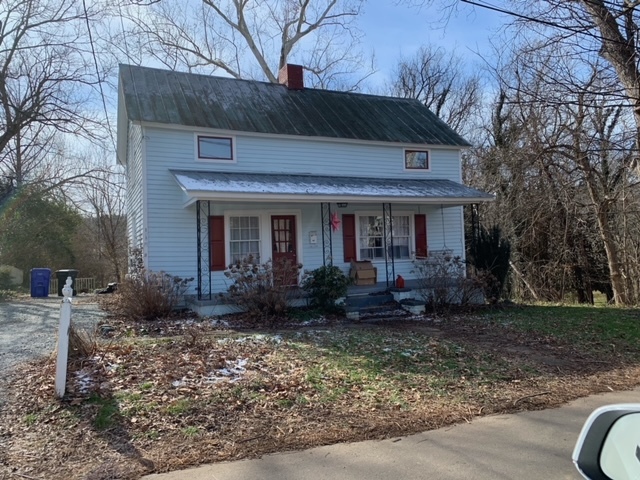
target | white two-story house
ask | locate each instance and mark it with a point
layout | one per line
(219, 169)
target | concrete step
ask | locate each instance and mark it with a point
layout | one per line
(390, 309)
(369, 300)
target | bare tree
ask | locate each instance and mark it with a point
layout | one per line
(249, 39)
(590, 63)
(45, 76)
(439, 80)
(47, 80)
(103, 243)
(559, 158)
(589, 28)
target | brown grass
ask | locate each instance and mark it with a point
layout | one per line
(156, 404)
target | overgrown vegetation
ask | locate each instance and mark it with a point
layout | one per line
(146, 295)
(490, 253)
(264, 290)
(325, 285)
(146, 405)
(36, 230)
(443, 282)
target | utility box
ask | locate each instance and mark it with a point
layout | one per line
(363, 273)
(62, 275)
(40, 282)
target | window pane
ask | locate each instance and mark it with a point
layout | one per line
(416, 159)
(372, 253)
(214, 147)
(244, 239)
(400, 226)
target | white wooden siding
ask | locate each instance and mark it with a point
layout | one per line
(135, 187)
(305, 156)
(171, 228)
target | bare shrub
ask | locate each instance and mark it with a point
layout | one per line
(150, 295)
(443, 282)
(82, 343)
(264, 290)
(146, 295)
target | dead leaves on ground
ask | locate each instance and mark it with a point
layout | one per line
(159, 404)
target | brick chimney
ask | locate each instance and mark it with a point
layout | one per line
(291, 76)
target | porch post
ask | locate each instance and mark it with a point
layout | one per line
(389, 263)
(327, 241)
(203, 212)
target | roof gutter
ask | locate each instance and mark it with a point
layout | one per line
(195, 195)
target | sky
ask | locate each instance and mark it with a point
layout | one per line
(392, 31)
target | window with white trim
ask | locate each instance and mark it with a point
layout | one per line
(244, 238)
(416, 160)
(215, 148)
(371, 237)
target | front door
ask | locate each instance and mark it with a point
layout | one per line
(284, 245)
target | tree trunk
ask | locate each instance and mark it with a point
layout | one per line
(615, 269)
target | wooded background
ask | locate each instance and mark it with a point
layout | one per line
(553, 113)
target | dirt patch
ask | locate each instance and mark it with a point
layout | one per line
(187, 393)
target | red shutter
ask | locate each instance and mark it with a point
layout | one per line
(349, 236)
(216, 240)
(420, 220)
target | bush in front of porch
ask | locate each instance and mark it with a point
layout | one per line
(264, 291)
(325, 285)
(443, 282)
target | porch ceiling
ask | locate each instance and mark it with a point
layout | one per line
(260, 187)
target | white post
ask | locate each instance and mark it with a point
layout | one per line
(63, 338)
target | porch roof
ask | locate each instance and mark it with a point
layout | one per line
(259, 187)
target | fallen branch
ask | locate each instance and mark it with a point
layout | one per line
(252, 438)
(530, 396)
(524, 280)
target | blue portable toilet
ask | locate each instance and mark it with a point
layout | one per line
(40, 282)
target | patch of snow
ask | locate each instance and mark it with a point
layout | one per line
(258, 338)
(319, 185)
(232, 372)
(179, 383)
(84, 380)
(219, 322)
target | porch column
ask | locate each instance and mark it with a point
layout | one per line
(387, 225)
(203, 212)
(327, 242)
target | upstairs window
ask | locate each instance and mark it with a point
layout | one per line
(215, 148)
(416, 160)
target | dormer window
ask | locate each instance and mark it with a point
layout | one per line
(416, 160)
(215, 148)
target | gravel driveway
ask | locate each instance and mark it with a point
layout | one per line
(29, 326)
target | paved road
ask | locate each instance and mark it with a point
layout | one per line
(29, 326)
(529, 445)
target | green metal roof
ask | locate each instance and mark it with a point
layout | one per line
(178, 98)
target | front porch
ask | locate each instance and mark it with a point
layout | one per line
(359, 299)
(327, 221)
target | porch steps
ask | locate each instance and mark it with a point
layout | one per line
(372, 306)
